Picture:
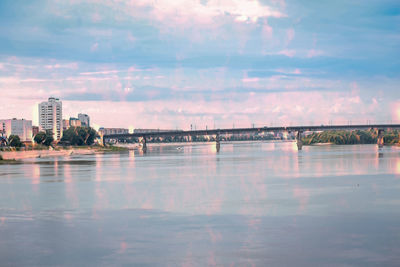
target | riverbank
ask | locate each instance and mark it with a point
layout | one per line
(9, 156)
(341, 137)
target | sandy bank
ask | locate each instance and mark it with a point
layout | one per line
(46, 153)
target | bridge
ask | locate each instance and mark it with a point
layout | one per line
(217, 132)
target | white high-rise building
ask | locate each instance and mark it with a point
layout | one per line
(50, 117)
(85, 120)
(22, 128)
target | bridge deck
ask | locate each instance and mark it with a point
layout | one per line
(255, 130)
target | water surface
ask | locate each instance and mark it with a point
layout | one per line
(252, 204)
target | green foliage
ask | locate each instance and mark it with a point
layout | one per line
(1, 157)
(40, 137)
(351, 137)
(79, 136)
(14, 141)
(44, 138)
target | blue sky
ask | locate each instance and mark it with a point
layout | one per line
(167, 64)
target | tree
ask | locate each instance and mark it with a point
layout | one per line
(79, 136)
(40, 137)
(14, 141)
(44, 138)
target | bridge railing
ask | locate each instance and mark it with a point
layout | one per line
(256, 129)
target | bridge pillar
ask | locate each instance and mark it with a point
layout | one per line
(217, 143)
(102, 140)
(144, 144)
(380, 140)
(298, 140)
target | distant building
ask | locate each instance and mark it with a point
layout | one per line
(22, 128)
(35, 130)
(107, 131)
(50, 117)
(74, 122)
(85, 119)
(65, 124)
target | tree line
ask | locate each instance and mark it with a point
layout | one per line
(351, 137)
(74, 136)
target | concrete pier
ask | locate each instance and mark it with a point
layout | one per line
(217, 143)
(144, 144)
(380, 140)
(298, 140)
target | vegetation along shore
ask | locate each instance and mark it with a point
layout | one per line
(351, 137)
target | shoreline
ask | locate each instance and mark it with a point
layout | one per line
(28, 154)
(10, 157)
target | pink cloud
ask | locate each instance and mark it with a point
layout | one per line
(395, 111)
(185, 13)
(290, 35)
(288, 71)
(177, 110)
(188, 10)
(314, 53)
(266, 30)
(250, 80)
(72, 65)
(287, 52)
(283, 109)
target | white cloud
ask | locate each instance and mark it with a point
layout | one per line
(187, 10)
(183, 12)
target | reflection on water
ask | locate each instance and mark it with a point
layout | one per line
(253, 203)
(398, 166)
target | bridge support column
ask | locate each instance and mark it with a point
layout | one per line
(102, 140)
(298, 140)
(144, 144)
(380, 140)
(217, 143)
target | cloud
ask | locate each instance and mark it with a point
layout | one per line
(250, 80)
(287, 52)
(100, 72)
(290, 35)
(180, 11)
(184, 13)
(314, 53)
(267, 30)
(72, 65)
(395, 111)
(287, 71)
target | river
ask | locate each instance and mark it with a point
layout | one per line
(251, 204)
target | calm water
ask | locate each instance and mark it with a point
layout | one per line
(252, 204)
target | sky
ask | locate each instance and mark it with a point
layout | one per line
(206, 63)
